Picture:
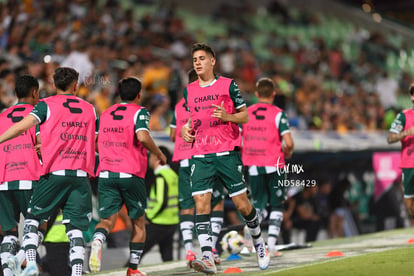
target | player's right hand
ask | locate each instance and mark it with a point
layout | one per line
(188, 134)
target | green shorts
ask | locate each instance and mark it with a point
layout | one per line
(408, 182)
(265, 190)
(224, 169)
(113, 192)
(185, 197)
(12, 203)
(72, 194)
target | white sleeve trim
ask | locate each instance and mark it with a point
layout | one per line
(37, 118)
(240, 106)
(142, 128)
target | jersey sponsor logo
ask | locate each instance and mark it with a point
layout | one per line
(69, 153)
(217, 123)
(410, 150)
(196, 124)
(110, 160)
(206, 98)
(254, 138)
(256, 128)
(72, 109)
(11, 166)
(258, 115)
(67, 137)
(113, 129)
(10, 148)
(75, 124)
(16, 119)
(118, 117)
(198, 108)
(255, 152)
(144, 117)
(208, 140)
(110, 144)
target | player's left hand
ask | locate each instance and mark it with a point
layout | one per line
(163, 159)
(220, 112)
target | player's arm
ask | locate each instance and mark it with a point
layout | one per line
(397, 137)
(241, 116)
(38, 143)
(97, 123)
(173, 127)
(282, 125)
(396, 132)
(187, 129)
(287, 145)
(146, 140)
(18, 128)
(144, 137)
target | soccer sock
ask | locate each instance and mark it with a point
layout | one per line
(186, 228)
(204, 234)
(76, 251)
(77, 269)
(30, 239)
(100, 234)
(252, 222)
(216, 224)
(7, 249)
(41, 234)
(135, 249)
(275, 221)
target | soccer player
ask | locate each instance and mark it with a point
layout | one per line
(216, 108)
(20, 170)
(266, 143)
(123, 141)
(402, 130)
(182, 154)
(67, 131)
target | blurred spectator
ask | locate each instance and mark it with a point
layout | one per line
(305, 215)
(387, 89)
(159, 120)
(342, 223)
(79, 59)
(155, 78)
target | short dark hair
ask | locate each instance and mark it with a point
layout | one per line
(64, 77)
(411, 89)
(129, 88)
(265, 87)
(203, 47)
(25, 84)
(192, 76)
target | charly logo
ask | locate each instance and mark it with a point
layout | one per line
(16, 119)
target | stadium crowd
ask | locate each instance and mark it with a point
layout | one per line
(320, 86)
